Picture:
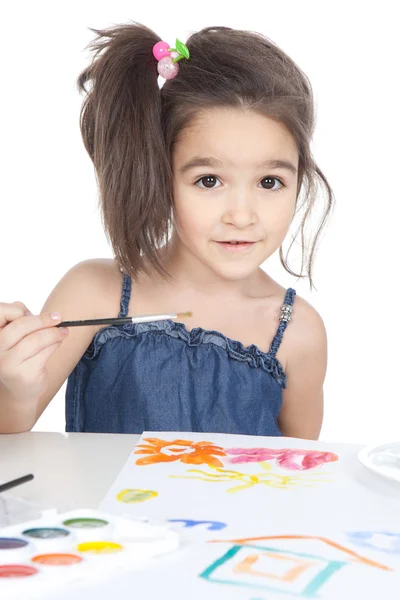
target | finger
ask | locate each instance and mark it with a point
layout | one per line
(12, 311)
(20, 328)
(38, 361)
(30, 375)
(32, 344)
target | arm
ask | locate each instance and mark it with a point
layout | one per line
(84, 292)
(302, 407)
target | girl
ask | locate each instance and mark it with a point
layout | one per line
(199, 182)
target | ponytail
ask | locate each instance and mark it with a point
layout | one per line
(120, 123)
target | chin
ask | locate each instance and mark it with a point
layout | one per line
(234, 272)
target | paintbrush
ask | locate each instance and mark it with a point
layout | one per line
(126, 320)
(15, 482)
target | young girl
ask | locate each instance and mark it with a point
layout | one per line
(199, 182)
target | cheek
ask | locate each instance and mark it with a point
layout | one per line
(186, 224)
(192, 218)
(279, 217)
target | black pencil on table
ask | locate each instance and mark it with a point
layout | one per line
(15, 482)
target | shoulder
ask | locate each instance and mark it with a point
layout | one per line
(90, 289)
(99, 272)
(306, 320)
(96, 276)
(306, 327)
(305, 336)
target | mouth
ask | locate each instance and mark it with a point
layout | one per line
(236, 245)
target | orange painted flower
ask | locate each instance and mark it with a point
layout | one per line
(190, 453)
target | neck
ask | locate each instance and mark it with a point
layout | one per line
(190, 273)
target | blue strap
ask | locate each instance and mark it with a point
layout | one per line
(125, 296)
(289, 299)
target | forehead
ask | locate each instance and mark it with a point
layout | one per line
(234, 134)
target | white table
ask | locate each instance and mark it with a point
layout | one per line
(71, 470)
(75, 471)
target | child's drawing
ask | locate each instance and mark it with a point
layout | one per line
(211, 525)
(198, 453)
(130, 496)
(276, 564)
(383, 541)
(287, 458)
(359, 549)
(250, 480)
(185, 451)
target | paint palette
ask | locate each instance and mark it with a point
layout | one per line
(77, 548)
(384, 460)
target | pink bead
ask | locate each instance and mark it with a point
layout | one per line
(166, 68)
(160, 50)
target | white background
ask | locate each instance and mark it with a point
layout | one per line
(350, 51)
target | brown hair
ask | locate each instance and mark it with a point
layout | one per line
(130, 126)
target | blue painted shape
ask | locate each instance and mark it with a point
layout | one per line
(364, 538)
(319, 580)
(308, 592)
(220, 561)
(213, 525)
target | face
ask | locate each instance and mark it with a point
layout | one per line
(232, 207)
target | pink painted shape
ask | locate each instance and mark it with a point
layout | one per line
(287, 458)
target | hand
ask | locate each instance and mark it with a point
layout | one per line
(26, 343)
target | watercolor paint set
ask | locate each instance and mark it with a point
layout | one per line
(76, 548)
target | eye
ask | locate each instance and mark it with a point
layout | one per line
(269, 179)
(208, 182)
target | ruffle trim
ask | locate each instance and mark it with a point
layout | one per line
(197, 336)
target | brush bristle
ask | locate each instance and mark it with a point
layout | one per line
(185, 314)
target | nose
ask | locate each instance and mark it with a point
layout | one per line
(240, 211)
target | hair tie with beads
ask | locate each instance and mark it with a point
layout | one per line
(168, 58)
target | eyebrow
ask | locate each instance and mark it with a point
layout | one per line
(209, 161)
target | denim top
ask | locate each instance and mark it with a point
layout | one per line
(159, 376)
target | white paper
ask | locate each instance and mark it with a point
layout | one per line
(292, 525)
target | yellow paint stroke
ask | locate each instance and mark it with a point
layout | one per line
(131, 496)
(265, 478)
